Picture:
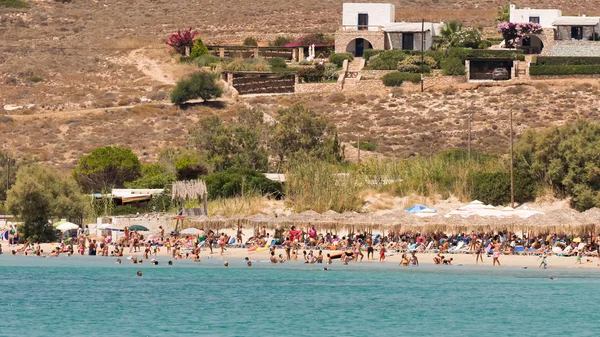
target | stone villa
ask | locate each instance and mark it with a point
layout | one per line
(562, 35)
(373, 26)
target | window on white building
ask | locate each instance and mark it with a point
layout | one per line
(534, 19)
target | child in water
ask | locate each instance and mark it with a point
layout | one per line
(543, 263)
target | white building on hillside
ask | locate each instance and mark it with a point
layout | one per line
(562, 35)
(373, 26)
(545, 17)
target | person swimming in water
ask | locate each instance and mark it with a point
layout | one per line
(404, 261)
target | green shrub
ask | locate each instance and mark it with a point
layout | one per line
(387, 60)
(566, 61)
(536, 70)
(250, 42)
(312, 74)
(494, 187)
(367, 54)
(338, 58)
(153, 176)
(366, 146)
(36, 79)
(331, 71)
(396, 78)
(229, 184)
(466, 53)
(14, 4)
(199, 85)
(198, 49)
(453, 66)
(485, 44)
(206, 60)
(277, 62)
(412, 64)
(280, 41)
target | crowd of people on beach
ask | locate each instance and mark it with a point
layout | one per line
(319, 247)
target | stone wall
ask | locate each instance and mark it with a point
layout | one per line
(374, 74)
(305, 88)
(560, 77)
(443, 80)
(343, 38)
(368, 86)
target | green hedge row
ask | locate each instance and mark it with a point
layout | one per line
(565, 61)
(388, 59)
(396, 78)
(435, 54)
(537, 70)
(466, 53)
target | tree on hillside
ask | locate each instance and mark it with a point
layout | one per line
(199, 85)
(153, 176)
(449, 33)
(199, 49)
(567, 159)
(238, 144)
(299, 130)
(106, 168)
(39, 195)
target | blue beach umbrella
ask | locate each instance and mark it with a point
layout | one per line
(419, 209)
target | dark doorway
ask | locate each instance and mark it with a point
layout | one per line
(363, 21)
(360, 47)
(408, 41)
(482, 69)
(577, 33)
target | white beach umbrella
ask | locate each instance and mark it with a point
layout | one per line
(190, 231)
(66, 226)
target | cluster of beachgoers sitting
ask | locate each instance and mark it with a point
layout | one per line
(322, 247)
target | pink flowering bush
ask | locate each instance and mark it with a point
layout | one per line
(179, 41)
(513, 33)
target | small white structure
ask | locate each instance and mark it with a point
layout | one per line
(133, 195)
(545, 17)
(367, 16)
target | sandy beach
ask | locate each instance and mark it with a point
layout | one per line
(520, 261)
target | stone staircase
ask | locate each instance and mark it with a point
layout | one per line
(353, 73)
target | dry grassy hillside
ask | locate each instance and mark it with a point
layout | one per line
(403, 125)
(102, 55)
(60, 56)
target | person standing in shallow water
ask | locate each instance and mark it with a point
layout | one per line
(478, 252)
(496, 253)
(369, 246)
(382, 254)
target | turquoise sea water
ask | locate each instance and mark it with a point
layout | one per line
(92, 296)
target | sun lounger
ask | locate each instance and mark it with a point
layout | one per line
(457, 248)
(519, 250)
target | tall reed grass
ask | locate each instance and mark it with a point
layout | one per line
(246, 205)
(320, 186)
(444, 174)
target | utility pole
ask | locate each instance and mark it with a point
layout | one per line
(469, 146)
(358, 146)
(512, 176)
(422, 53)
